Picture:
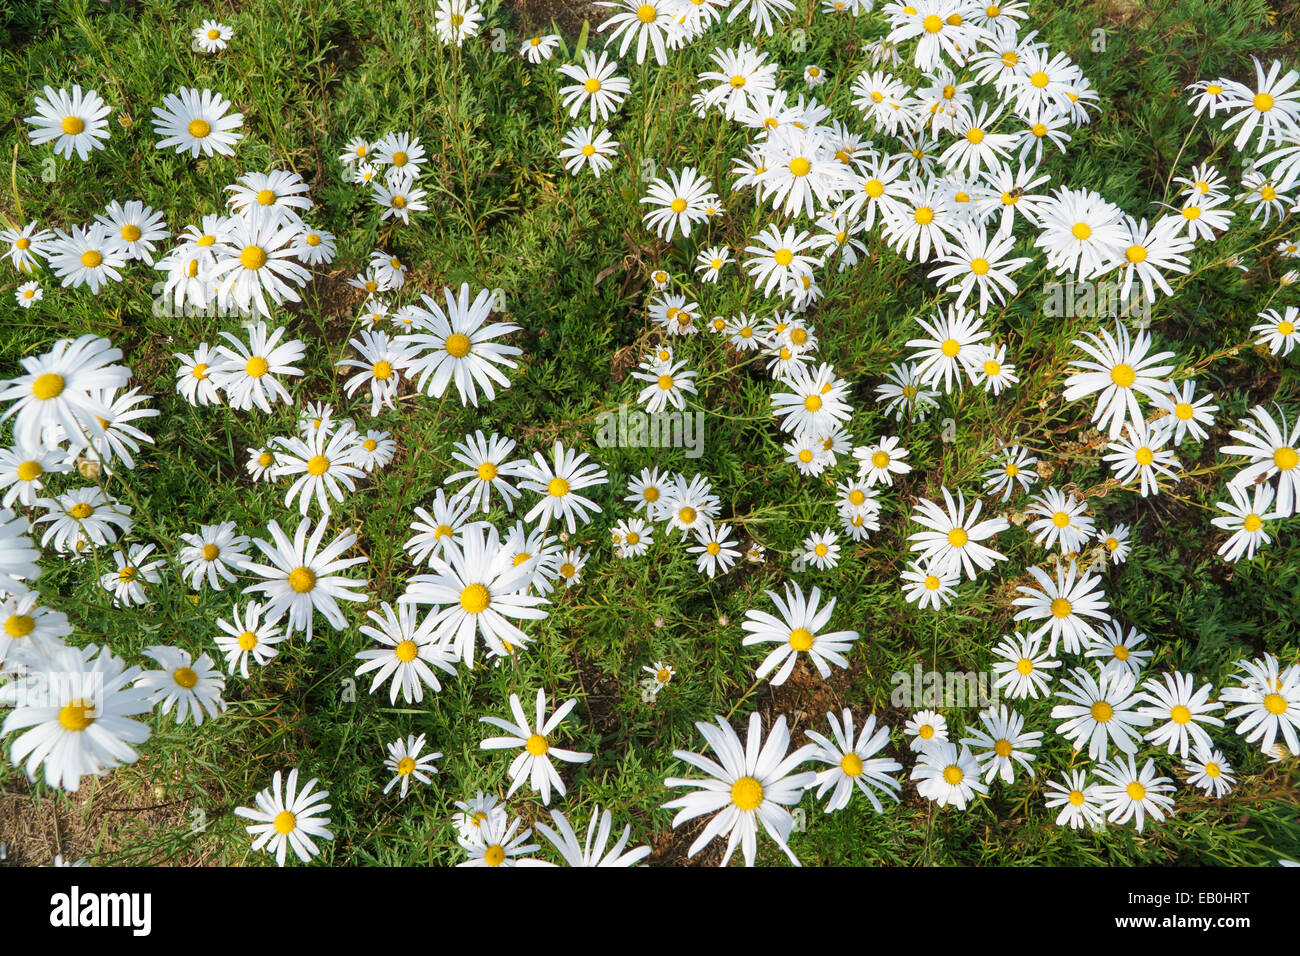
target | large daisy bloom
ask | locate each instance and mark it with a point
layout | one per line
(799, 628)
(1274, 451)
(477, 587)
(289, 817)
(303, 578)
(56, 396)
(952, 543)
(78, 703)
(75, 123)
(747, 785)
(533, 764)
(456, 346)
(1268, 703)
(194, 121)
(853, 762)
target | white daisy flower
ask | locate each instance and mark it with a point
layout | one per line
(533, 763)
(1100, 711)
(211, 553)
(248, 634)
(476, 587)
(1062, 605)
(289, 817)
(194, 121)
(409, 652)
(303, 577)
(192, 687)
(406, 762)
(76, 122)
(800, 628)
(746, 785)
(853, 763)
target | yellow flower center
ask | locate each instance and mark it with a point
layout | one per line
(924, 216)
(1060, 607)
(678, 205)
(1263, 102)
(406, 651)
(130, 232)
(1081, 230)
(247, 641)
(265, 197)
(1252, 522)
(1180, 714)
(880, 459)
(1102, 712)
(398, 202)
(1144, 456)
(952, 775)
(253, 257)
(81, 511)
(210, 552)
(77, 715)
(302, 580)
(405, 766)
(1135, 791)
(494, 855)
(801, 639)
(475, 599)
(72, 125)
(646, 13)
(457, 345)
(588, 149)
(1039, 79)
(557, 487)
(1025, 666)
(1123, 375)
(30, 471)
(19, 625)
(747, 793)
(1212, 770)
(91, 259)
(932, 24)
(537, 745)
(318, 465)
(285, 822)
(1286, 458)
(256, 367)
(851, 764)
(1268, 193)
(686, 515)
(185, 677)
(992, 369)
(979, 266)
(400, 158)
(800, 166)
(1120, 652)
(958, 537)
(1136, 254)
(1275, 704)
(1192, 212)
